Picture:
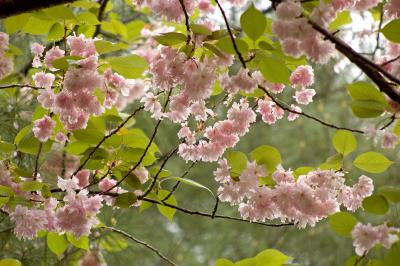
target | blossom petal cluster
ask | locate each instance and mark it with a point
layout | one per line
(304, 200)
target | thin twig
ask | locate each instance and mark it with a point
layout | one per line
(215, 208)
(35, 174)
(104, 139)
(146, 149)
(307, 115)
(141, 243)
(175, 187)
(19, 86)
(100, 14)
(187, 22)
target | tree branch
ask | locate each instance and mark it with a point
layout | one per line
(15, 7)
(125, 234)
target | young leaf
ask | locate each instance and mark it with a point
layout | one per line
(342, 223)
(376, 204)
(392, 31)
(168, 212)
(344, 142)
(267, 155)
(125, 200)
(253, 22)
(372, 162)
(57, 243)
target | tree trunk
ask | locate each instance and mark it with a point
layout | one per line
(14, 7)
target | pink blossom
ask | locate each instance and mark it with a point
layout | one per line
(289, 10)
(53, 54)
(27, 221)
(142, 174)
(44, 80)
(392, 9)
(304, 96)
(37, 49)
(269, 111)
(61, 137)
(6, 65)
(46, 98)
(78, 79)
(302, 77)
(81, 46)
(152, 105)
(389, 140)
(83, 178)
(281, 175)
(366, 236)
(106, 184)
(223, 173)
(43, 128)
(294, 115)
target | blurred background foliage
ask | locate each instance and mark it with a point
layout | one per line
(194, 240)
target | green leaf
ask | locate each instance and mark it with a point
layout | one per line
(103, 47)
(367, 109)
(237, 161)
(76, 147)
(57, 243)
(343, 18)
(392, 31)
(3, 200)
(60, 12)
(367, 100)
(365, 91)
(271, 257)
(390, 193)
(190, 183)
(87, 18)
(129, 155)
(113, 243)
(200, 29)
(334, 162)
(225, 44)
(89, 136)
(392, 257)
(344, 142)
(64, 62)
(166, 211)
(224, 262)
(130, 66)
(6, 147)
(274, 69)
(31, 186)
(16, 23)
(125, 200)
(170, 38)
(267, 155)
(6, 191)
(253, 22)
(10, 262)
(342, 223)
(376, 204)
(56, 32)
(246, 262)
(372, 162)
(37, 26)
(82, 242)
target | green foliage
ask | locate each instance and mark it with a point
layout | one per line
(253, 22)
(125, 200)
(343, 18)
(225, 44)
(391, 193)
(10, 262)
(372, 162)
(237, 161)
(342, 223)
(113, 243)
(57, 243)
(344, 142)
(170, 38)
(82, 242)
(166, 211)
(274, 69)
(268, 156)
(190, 183)
(367, 100)
(376, 204)
(130, 66)
(392, 31)
(392, 257)
(268, 257)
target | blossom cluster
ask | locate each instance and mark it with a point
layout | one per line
(6, 63)
(366, 236)
(304, 200)
(76, 100)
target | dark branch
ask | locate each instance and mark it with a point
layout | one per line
(125, 234)
(14, 7)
